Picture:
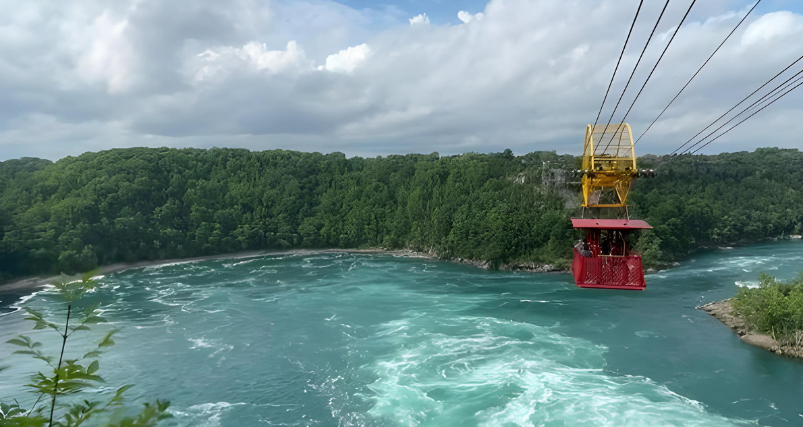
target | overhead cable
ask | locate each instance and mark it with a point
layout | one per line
(617, 62)
(745, 119)
(738, 104)
(773, 92)
(698, 71)
(634, 71)
(652, 71)
(782, 89)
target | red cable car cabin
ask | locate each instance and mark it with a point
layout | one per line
(610, 265)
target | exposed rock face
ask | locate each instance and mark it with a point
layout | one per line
(723, 310)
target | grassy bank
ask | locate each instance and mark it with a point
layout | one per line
(769, 316)
(774, 308)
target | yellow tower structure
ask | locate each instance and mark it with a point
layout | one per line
(609, 165)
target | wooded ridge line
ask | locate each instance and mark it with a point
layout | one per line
(128, 205)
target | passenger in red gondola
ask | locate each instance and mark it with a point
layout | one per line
(611, 265)
(605, 246)
(618, 247)
(583, 247)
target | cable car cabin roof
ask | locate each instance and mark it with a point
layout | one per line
(610, 224)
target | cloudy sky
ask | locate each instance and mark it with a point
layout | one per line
(370, 78)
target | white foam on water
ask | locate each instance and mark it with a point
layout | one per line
(17, 306)
(203, 342)
(240, 262)
(646, 334)
(752, 284)
(205, 414)
(309, 264)
(200, 343)
(168, 264)
(504, 373)
(748, 264)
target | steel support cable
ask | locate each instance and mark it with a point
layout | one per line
(746, 109)
(698, 71)
(617, 63)
(632, 73)
(770, 93)
(745, 119)
(734, 107)
(652, 71)
(752, 106)
(773, 92)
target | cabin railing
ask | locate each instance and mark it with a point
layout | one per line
(615, 271)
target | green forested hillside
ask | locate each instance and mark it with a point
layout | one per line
(729, 198)
(138, 204)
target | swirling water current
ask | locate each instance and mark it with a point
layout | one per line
(339, 339)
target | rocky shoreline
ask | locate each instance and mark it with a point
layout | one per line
(723, 311)
(486, 265)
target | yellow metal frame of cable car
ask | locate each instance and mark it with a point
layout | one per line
(609, 164)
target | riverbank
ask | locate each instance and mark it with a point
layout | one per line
(37, 282)
(32, 284)
(723, 311)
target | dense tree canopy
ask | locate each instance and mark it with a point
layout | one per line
(724, 199)
(145, 204)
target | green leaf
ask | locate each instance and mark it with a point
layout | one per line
(118, 395)
(93, 354)
(46, 359)
(33, 312)
(107, 340)
(93, 367)
(123, 389)
(19, 342)
(14, 412)
(40, 325)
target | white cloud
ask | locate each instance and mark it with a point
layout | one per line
(346, 60)
(773, 26)
(253, 56)
(421, 19)
(467, 17)
(109, 56)
(273, 60)
(256, 57)
(320, 76)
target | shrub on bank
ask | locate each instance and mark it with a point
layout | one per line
(774, 308)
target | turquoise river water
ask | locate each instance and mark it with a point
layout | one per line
(335, 339)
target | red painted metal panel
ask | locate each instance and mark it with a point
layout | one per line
(609, 272)
(610, 224)
(578, 267)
